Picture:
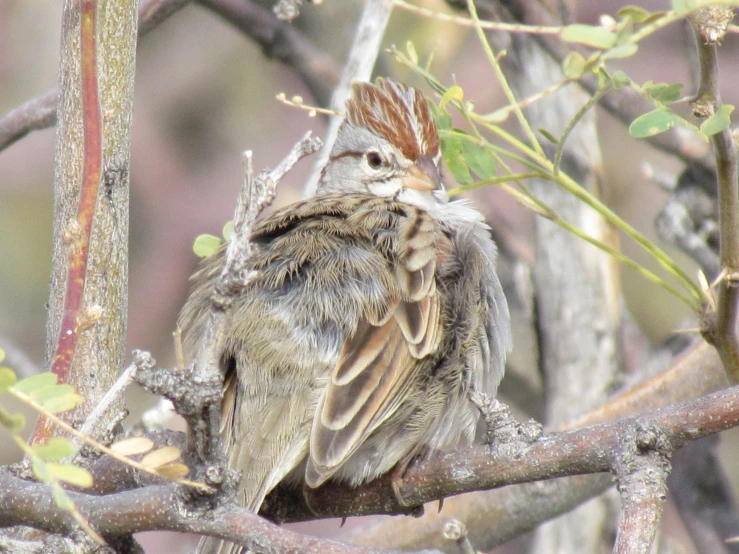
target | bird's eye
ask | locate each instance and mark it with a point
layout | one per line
(375, 160)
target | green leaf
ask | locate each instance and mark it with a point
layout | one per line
(45, 394)
(451, 147)
(64, 403)
(69, 473)
(454, 92)
(478, 159)
(620, 52)
(620, 80)
(35, 382)
(574, 65)
(7, 379)
(549, 136)
(654, 122)
(442, 117)
(719, 121)
(637, 14)
(205, 245)
(590, 35)
(228, 230)
(56, 449)
(664, 93)
(12, 422)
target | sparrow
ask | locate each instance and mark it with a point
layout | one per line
(374, 309)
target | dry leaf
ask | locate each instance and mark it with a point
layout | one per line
(160, 457)
(173, 471)
(132, 446)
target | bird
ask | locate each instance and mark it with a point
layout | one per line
(372, 312)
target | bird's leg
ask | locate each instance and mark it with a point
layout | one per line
(397, 474)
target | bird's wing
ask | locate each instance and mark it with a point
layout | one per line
(378, 361)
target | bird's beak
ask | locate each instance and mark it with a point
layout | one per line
(423, 175)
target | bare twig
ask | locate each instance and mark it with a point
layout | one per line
(723, 331)
(358, 67)
(95, 422)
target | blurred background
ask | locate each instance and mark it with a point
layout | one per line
(205, 92)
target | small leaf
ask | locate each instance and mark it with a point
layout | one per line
(56, 449)
(664, 93)
(161, 456)
(590, 35)
(72, 474)
(454, 92)
(451, 147)
(620, 80)
(478, 159)
(442, 118)
(206, 245)
(412, 55)
(45, 394)
(620, 52)
(574, 65)
(132, 446)
(549, 136)
(228, 230)
(719, 121)
(7, 379)
(15, 422)
(173, 471)
(636, 13)
(63, 403)
(39, 381)
(654, 122)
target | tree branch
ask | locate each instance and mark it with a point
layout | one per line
(723, 332)
(155, 508)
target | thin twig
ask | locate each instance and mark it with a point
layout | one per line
(97, 417)
(723, 332)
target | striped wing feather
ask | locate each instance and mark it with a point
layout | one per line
(379, 360)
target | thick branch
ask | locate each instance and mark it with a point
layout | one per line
(597, 448)
(154, 508)
(586, 450)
